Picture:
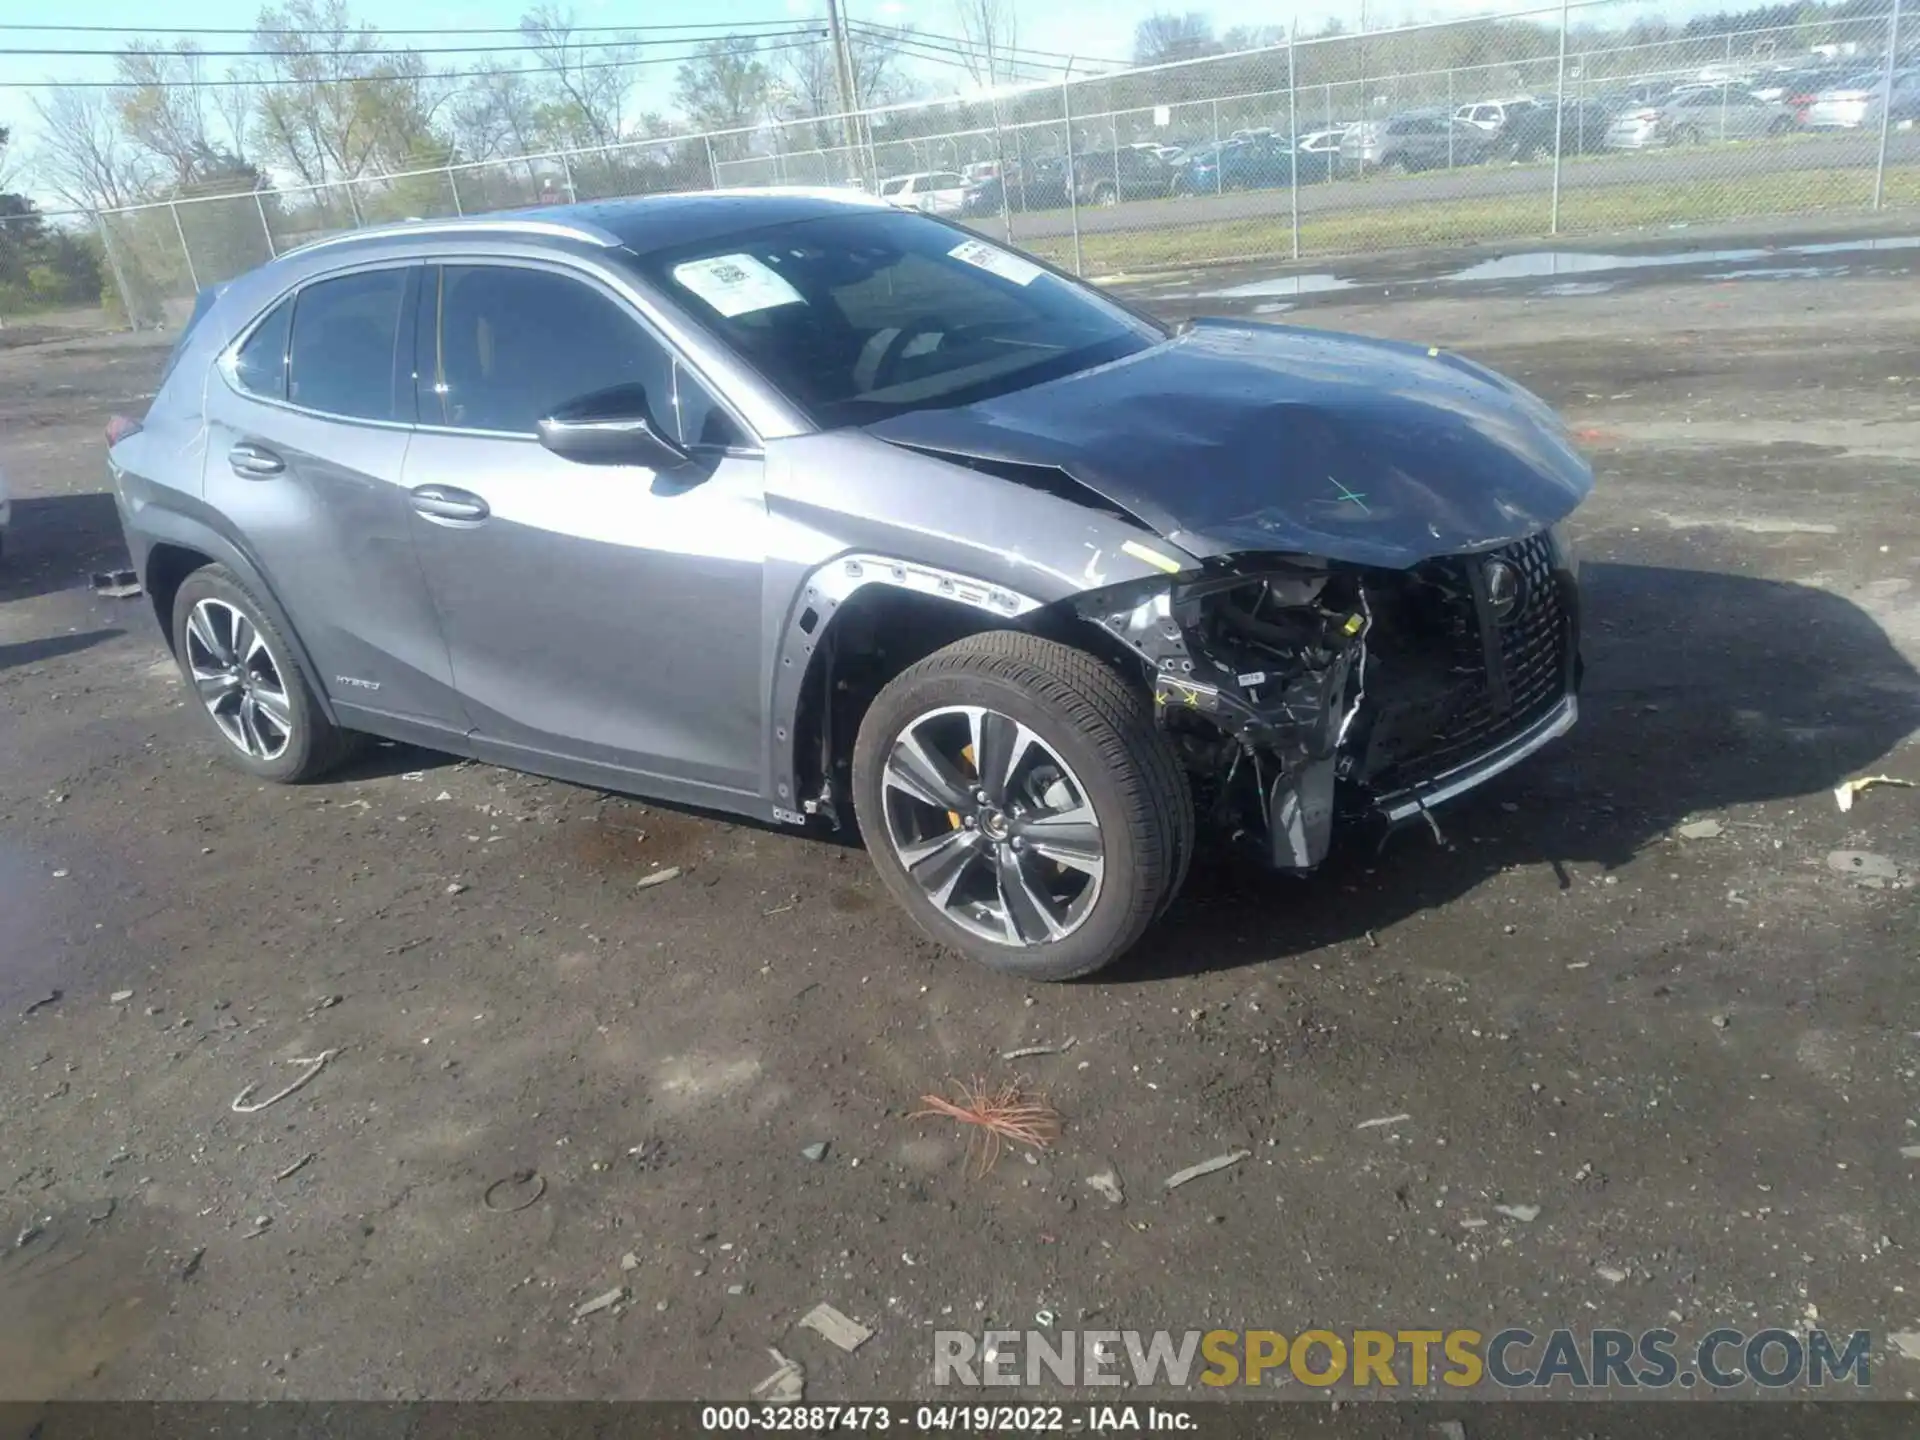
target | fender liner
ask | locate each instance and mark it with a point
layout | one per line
(808, 621)
(170, 527)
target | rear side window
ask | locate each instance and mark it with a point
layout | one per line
(344, 352)
(261, 366)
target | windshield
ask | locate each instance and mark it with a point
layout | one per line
(862, 316)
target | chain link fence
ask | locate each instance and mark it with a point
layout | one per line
(1577, 120)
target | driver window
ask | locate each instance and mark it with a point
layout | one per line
(502, 346)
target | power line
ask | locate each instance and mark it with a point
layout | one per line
(970, 47)
(813, 37)
(532, 47)
(426, 30)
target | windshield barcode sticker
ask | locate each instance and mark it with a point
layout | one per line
(735, 284)
(995, 261)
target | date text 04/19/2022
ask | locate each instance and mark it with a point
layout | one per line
(948, 1419)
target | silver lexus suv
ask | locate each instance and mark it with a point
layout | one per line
(798, 506)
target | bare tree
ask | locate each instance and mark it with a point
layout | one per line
(1165, 37)
(991, 32)
(342, 106)
(166, 106)
(82, 156)
(497, 116)
(234, 104)
(589, 83)
(724, 86)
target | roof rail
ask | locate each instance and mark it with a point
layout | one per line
(485, 225)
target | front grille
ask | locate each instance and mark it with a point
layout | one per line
(1460, 713)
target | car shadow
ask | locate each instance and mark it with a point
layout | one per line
(384, 759)
(26, 652)
(1702, 692)
(57, 541)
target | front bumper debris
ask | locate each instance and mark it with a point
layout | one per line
(1416, 799)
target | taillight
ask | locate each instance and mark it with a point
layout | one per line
(119, 427)
(1645, 117)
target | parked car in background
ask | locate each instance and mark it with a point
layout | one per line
(1696, 115)
(1021, 186)
(1494, 116)
(1859, 101)
(1416, 140)
(805, 509)
(1582, 130)
(1106, 177)
(1785, 86)
(1260, 163)
(937, 192)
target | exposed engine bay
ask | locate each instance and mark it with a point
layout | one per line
(1298, 690)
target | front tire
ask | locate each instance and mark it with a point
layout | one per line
(247, 684)
(1021, 805)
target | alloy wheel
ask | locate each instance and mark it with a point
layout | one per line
(239, 680)
(993, 825)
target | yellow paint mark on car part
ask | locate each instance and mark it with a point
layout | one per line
(1151, 557)
(1354, 624)
(1432, 352)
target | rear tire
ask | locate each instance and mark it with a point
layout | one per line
(248, 686)
(1001, 880)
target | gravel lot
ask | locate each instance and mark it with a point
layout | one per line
(1695, 1056)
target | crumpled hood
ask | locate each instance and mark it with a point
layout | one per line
(1234, 437)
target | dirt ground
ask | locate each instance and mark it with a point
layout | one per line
(1696, 1056)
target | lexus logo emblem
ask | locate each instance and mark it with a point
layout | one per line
(1503, 589)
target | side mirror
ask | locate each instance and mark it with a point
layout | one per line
(610, 427)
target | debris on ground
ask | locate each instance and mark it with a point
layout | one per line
(297, 1166)
(508, 1191)
(52, 997)
(658, 877)
(1611, 1274)
(456, 888)
(1383, 1120)
(816, 1151)
(1876, 872)
(1002, 1115)
(1910, 1152)
(1525, 1214)
(192, 1267)
(849, 1335)
(1843, 793)
(1906, 1342)
(1701, 830)
(1448, 1430)
(1205, 1167)
(120, 997)
(1030, 1050)
(116, 584)
(261, 1224)
(601, 1302)
(785, 1386)
(1107, 1185)
(316, 1064)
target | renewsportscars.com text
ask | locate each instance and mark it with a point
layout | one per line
(1511, 1359)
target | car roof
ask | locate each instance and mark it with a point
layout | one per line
(640, 223)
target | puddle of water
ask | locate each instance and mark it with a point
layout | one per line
(1581, 287)
(1539, 264)
(1784, 272)
(75, 1297)
(1281, 285)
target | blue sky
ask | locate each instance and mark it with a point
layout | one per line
(1087, 27)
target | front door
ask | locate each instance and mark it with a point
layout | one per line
(307, 441)
(604, 620)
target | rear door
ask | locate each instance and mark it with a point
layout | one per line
(306, 441)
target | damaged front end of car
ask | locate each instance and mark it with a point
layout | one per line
(1303, 693)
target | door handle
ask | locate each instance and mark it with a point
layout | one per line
(444, 502)
(254, 462)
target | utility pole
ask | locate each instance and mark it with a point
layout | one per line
(843, 67)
